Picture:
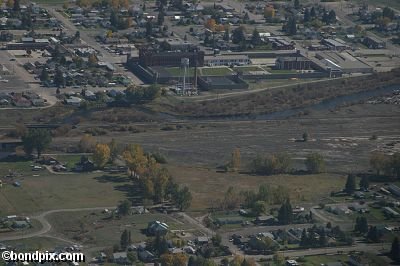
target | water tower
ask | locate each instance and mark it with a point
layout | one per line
(184, 68)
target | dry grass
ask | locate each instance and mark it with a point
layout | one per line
(207, 185)
(281, 98)
(50, 191)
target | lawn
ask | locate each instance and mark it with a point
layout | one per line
(42, 191)
(281, 71)
(215, 71)
(323, 259)
(207, 185)
(177, 71)
(248, 68)
(50, 2)
(100, 229)
(69, 160)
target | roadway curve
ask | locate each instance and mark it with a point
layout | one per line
(46, 226)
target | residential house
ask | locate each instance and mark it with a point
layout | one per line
(201, 240)
(146, 256)
(74, 101)
(157, 228)
(265, 219)
(395, 190)
(356, 260)
(84, 165)
(120, 258)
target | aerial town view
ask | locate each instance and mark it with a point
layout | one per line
(200, 132)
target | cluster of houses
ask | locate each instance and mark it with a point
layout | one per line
(24, 99)
(13, 223)
(38, 17)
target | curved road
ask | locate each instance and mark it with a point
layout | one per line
(46, 226)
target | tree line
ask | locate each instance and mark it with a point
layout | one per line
(277, 163)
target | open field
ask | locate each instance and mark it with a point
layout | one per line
(57, 191)
(99, 229)
(208, 186)
(36, 243)
(325, 259)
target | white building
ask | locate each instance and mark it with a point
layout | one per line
(226, 60)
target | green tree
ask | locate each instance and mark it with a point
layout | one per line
(350, 186)
(238, 35)
(226, 34)
(361, 225)
(124, 241)
(124, 207)
(378, 162)
(313, 14)
(216, 240)
(305, 136)
(315, 163)
(44, 76)
(258, 208)
(256, 38)
(307, 16)
(16, 6)
(395, 164)
(160, 18)
(285, 213)
(59, 79)
(296, 4)
(36, 138)
(364, 183)
(373, 234)
(183, 198)
(290, 26)
(395, 250)
(149, 28)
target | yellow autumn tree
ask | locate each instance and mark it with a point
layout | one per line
(87, 143)
(269, 12)
(101, 155)
(124, 3)
(135, 160)
(115, 4)
(92, 60)
(219, 27)
(210, 24)
(10, 3)
(235, 160)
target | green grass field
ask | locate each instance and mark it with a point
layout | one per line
(324, 259)
(177, 71)
(248, 68)
(215, 71)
